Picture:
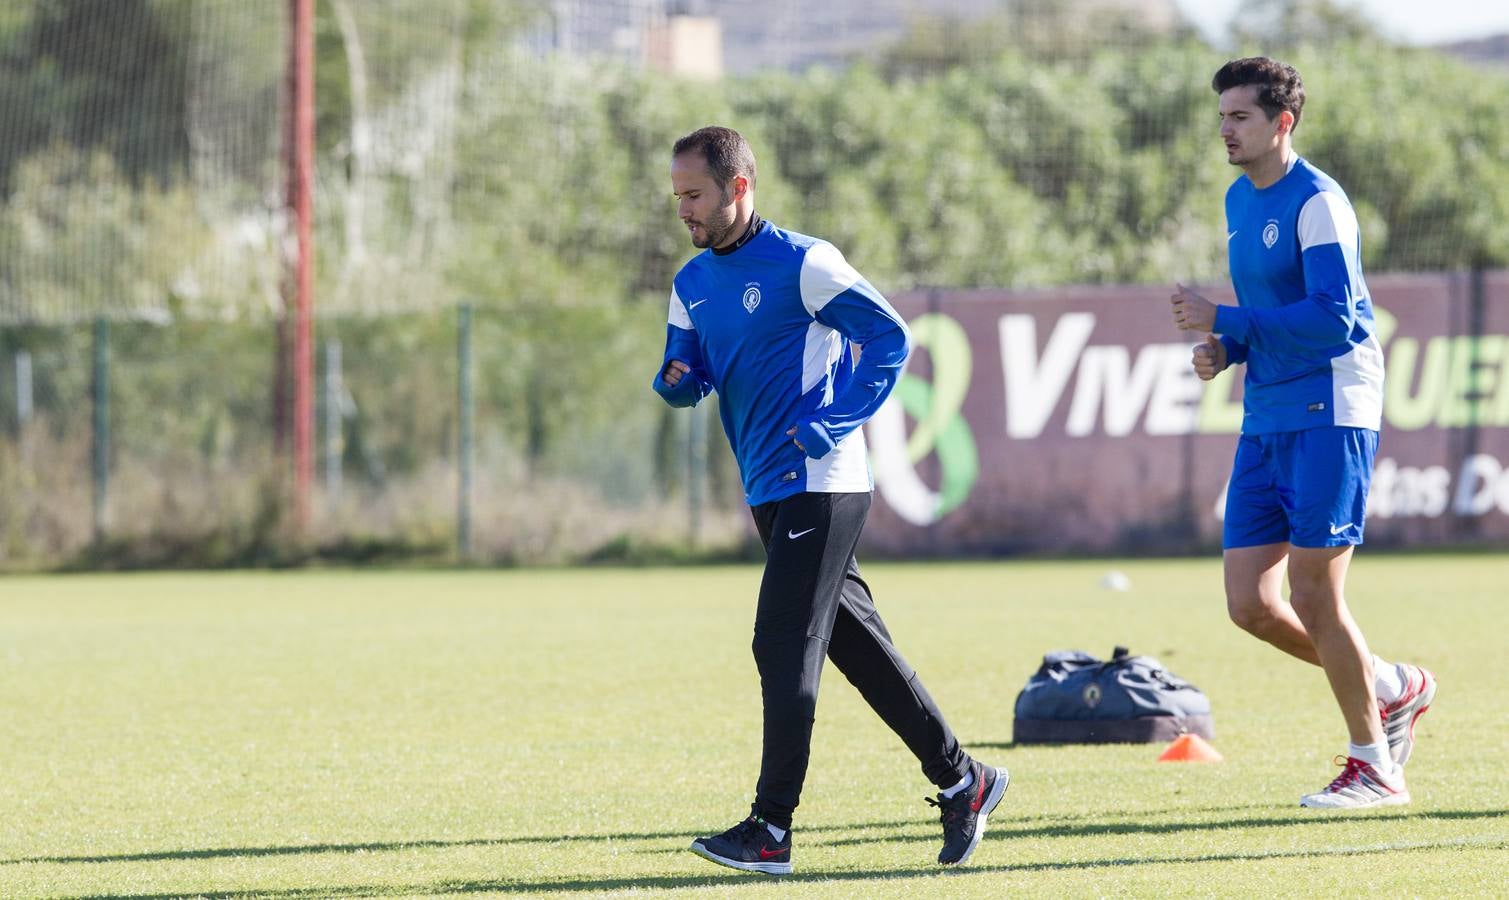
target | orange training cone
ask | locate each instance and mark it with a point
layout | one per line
(1190, 748)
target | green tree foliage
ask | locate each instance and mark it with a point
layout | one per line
(1284, 25)
(65, 78)
(1421, 146)
(77, 239)
(457, 165)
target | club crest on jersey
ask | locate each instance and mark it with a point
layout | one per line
(1270, 233)
(751, 295)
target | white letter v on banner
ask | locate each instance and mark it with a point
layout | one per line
(1033, 386)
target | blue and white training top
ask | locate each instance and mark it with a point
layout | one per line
(771, 326)
(1304, 325)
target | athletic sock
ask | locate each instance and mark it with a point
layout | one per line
(1375, 755)
(778, 833)
(1386, 681)
(966, 781)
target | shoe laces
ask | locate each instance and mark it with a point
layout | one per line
(1351, 772)
(949, 808)
(746, 829)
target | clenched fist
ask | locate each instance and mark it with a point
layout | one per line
(1209, 358)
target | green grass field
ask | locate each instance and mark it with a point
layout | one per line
(314, 734)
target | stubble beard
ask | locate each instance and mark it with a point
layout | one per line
(716, 228)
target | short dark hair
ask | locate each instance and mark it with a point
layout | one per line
(726, 152)
(1279, 86)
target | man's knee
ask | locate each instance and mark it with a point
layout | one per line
(774, 649)
(1316, 584)
(1315, 603)
(792, 660)
(1251, 611)
(1313, 595)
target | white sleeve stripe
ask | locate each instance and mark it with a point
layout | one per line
(1327, 218)
(678, 315)
(822, 348)
(825, 275)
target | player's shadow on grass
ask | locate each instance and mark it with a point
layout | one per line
(381, 846)
(432, 844)
(733, 881)
(1008, 830)
(1058, 828)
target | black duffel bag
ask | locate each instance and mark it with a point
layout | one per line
(1077, 699)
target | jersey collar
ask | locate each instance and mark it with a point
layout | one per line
(754, 228)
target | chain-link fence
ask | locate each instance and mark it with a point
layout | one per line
(509, 157)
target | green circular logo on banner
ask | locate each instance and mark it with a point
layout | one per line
(940, 427)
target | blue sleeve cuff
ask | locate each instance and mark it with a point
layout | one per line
(1236, 351)
(1233, 321)
(814, 439)
(685, 392)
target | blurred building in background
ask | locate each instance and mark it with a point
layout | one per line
(705, 38)
(1488, 51)
(686, 44)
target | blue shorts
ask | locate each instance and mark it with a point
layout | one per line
(1309, 488)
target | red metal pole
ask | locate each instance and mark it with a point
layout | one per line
(301, 201)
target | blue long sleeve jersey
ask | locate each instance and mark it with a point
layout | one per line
(1304, 325)
(772, 328)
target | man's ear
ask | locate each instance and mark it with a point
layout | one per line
(740, 186)
(1285, 122)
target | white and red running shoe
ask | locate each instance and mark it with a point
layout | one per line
(1359, 786)
(1399, 717)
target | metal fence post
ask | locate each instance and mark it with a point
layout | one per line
(465, 413)
(101, 394)
(697, 471)
(334, 431)
(23, 389)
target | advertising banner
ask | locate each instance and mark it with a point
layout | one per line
(1071, 421)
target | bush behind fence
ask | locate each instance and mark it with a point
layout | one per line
(458, 160)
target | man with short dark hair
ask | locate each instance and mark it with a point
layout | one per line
(1313, 408)
(774, 321)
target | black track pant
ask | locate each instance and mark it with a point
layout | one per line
(814, 604)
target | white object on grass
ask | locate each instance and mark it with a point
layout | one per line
(1116, 580)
